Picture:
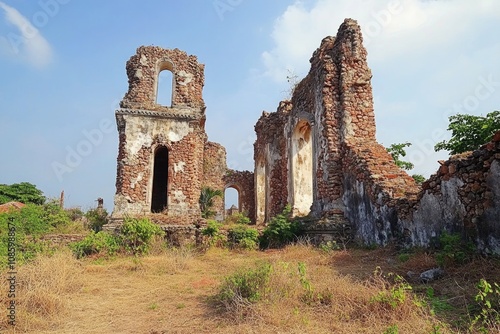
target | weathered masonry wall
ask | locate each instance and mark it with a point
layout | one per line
(164, 158)
(375, 192)
(243, 182)
(462, 197)
(298, 151)
(143, 71)
(271, 166)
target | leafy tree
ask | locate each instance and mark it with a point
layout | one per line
(468, 132)
(206, 201)
(397, 151)
(23, 192)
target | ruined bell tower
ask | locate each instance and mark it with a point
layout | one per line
(160, 167)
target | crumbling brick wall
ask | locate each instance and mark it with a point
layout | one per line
(375, 191)
(462, 197)
(143, 71)
(271, 163)
(243, 182)
(334, 102)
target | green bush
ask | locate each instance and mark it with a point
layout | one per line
(453, 250)
(244, 287)
(37, 220)
(488, 304)
(96, 243)
(137, 234)
(75, 214)
(242, 236)
(281, 230)
(31, 222)
(96, 218)
(212, 231)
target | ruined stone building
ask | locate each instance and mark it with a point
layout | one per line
(317, 152)
(164, 157)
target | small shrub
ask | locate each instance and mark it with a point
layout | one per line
(244, 237)
(280, 230)
(454, 251)
(96, 243)
(403, 257)
(436, 304)
(138, 234)
(488, 300)
(96, 218)
(212, 231)
(244, 287)
(75, 213)
(396, 295)
(392, 330)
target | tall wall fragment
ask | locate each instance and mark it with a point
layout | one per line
(164, 156)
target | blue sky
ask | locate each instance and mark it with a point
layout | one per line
(62, 65)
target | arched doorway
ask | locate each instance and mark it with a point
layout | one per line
(160, 180)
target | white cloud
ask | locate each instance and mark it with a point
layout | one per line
(26, 43)
(391, 29)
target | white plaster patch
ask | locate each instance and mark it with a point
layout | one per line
(140, 132)
(178, 131)
(184, 78)
(136, 180)
(179, 167)
(179, 199)
(136, 142)
(144, 60)
(138, 74)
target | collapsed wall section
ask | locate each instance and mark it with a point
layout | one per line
(375, 192)
(462, 197)
(271, 163)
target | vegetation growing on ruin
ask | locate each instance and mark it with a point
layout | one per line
(469, 132)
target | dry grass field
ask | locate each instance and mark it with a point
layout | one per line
(308, 291)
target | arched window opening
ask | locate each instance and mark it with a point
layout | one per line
(160, 180)
(302, 169)
(164, 93)
(231, 198)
